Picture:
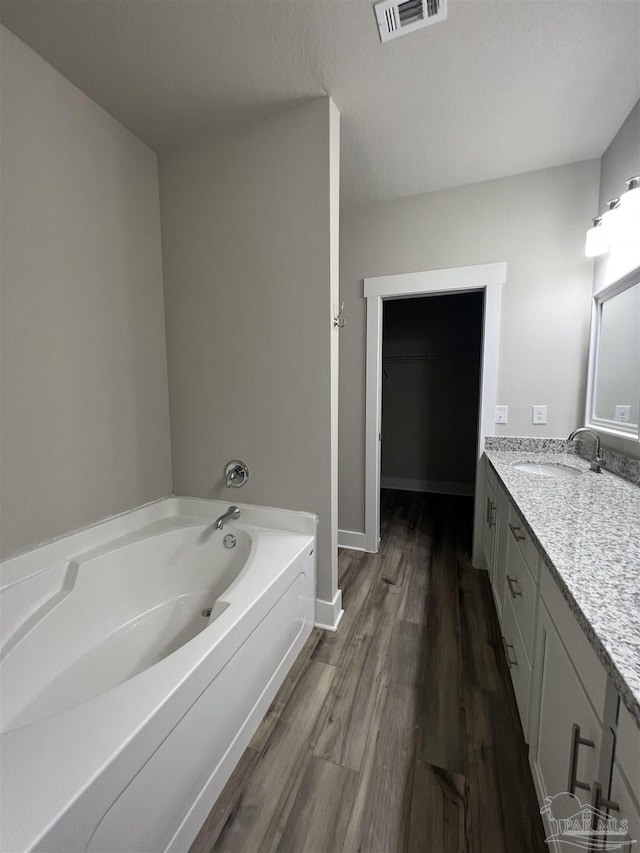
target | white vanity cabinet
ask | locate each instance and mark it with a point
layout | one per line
(581, 738)
(513, 571)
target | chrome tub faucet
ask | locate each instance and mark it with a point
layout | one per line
(232, 513)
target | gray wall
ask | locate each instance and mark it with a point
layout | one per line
(536, 223)
(85, 423)
(430, 406)
(247, 248)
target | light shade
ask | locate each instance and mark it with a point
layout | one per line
(621, 224)
(611, 219)
(597, 242)
(630, 200)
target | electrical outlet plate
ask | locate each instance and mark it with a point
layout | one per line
(539, 415)
(502, 414)
(623, 414)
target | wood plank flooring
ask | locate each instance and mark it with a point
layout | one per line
(399, 732)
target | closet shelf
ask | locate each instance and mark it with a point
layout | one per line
(426, 356)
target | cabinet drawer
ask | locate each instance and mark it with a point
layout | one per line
(524, 542)
(628, 810)
(591, 672)
(520, 588)
(628, 751)
(519, 666)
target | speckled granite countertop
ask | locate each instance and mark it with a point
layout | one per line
(588, 531)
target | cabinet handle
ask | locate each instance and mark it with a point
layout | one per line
(514, 592)
(508, 646)
(600, 803)
(576, 743)
(490, 518)
(516, 536)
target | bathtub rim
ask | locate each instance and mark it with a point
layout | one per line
(47, 555)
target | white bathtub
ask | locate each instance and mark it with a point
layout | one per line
(125, 706)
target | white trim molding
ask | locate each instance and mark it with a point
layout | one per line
(442, 281)
(487, 278)
(626, 432)
(351, 539)
(329, 613)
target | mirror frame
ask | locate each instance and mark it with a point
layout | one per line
(604, 425)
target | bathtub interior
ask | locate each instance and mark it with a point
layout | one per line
(116, 611)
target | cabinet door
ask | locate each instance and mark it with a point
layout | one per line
(628, 751)
(500, 561)
(625, 809)
(490, 513)
(563, 758)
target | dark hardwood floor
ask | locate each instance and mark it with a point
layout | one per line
(399, 732)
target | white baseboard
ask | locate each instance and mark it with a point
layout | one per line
(442, 487)
(329, 613)
(351, 539)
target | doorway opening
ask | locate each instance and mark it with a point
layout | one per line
(485, 279)
(431, 370)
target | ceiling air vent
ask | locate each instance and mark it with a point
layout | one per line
(396, 19)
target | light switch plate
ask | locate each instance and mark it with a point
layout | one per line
(623, 414)
(539, 415)
(502, 414)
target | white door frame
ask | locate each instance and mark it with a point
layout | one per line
(487, 278)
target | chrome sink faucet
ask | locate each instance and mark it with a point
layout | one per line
(596, 462)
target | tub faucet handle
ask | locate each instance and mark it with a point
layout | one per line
(236, 473)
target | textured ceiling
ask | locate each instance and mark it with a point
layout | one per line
(499, 88)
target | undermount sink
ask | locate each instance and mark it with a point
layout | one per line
(547, 469)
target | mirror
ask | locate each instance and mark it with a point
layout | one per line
(613, 394)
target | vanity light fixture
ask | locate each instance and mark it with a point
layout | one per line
(619, 224)
(630, 200)
(597, 243)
